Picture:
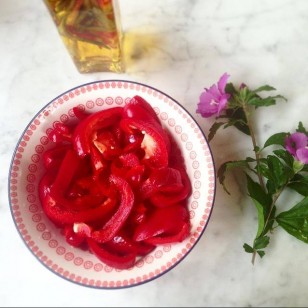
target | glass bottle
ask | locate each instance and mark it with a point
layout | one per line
(91, 31)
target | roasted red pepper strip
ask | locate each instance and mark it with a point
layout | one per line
(163, 180)
(61, 133)
(84, 132)
(154, 141)
(67, 170)
(120, 216)
(163, 199)
(62, 216)
(53, 157)
(111, 259)
(79, 113)
(179, 237)
(165, 221)
(138, 108)
(73, 238)
(122, 244)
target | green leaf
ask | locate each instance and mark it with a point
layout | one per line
(261, 218)
(286, 157)
(262, 202)
(276, 172)
(261, 242)
(261, 253)
(276, 139)
(230, 89)
(214, 128)
(295, 220)
(227, 166)
(301, 128)
(238, 119)
(264, 88)
(264, 102)
(256, 192)
(299, 183)
(248, 248)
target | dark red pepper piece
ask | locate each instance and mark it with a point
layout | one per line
(110, 258)
(154, 141)
(84, 132)
(178, 237)
(165, 221)
(120, 216)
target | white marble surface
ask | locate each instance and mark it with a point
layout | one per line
(180, 47)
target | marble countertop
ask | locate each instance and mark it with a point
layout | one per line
(180, 47)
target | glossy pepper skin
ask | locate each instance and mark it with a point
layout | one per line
(120, 216)
(113, 184)
(85, 132)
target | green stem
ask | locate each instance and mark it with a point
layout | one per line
(258, 157)
(254, 142)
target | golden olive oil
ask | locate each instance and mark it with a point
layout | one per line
(91, 32)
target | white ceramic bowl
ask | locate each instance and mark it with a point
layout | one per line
(45, 241)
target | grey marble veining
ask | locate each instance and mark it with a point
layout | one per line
(179, 47)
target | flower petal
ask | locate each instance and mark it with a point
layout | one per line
(223, 82)
(302, 155)
(295, 142)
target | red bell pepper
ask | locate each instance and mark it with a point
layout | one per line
(52, 158)
(84, 132)
(80, 114)
(164, 198)
(178, 237)
(122, 244)
(62, 216)
(66, 172)
(98, 162)
(61, 133)
(73, 238)
(154, 141)
(139, 109)
(111, 259)
(165, 221)
(162, 180)
(120, 216)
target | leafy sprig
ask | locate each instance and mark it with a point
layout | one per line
(267, 175)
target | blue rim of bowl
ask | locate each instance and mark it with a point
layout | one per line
(169, 268)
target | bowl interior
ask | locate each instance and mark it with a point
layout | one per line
(46, 242)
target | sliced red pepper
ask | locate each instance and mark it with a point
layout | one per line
(73, 238)
(107, 144)
(79, 113)
(66, 172)
(86, 129)
(120, 216)
(61, 133)
(135, 175)
(165, 221)
(98, 162)
(162, 180)
(111, 259)
(163, 199)
(139, 109)
(179, 237)
(63, 216)
(52, 158)
(138, 214)
(154, 141)
(122, 244)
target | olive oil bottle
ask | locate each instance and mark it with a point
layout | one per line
(91, 32)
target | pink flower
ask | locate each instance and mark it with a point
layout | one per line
(297, 145)
(214, 100)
